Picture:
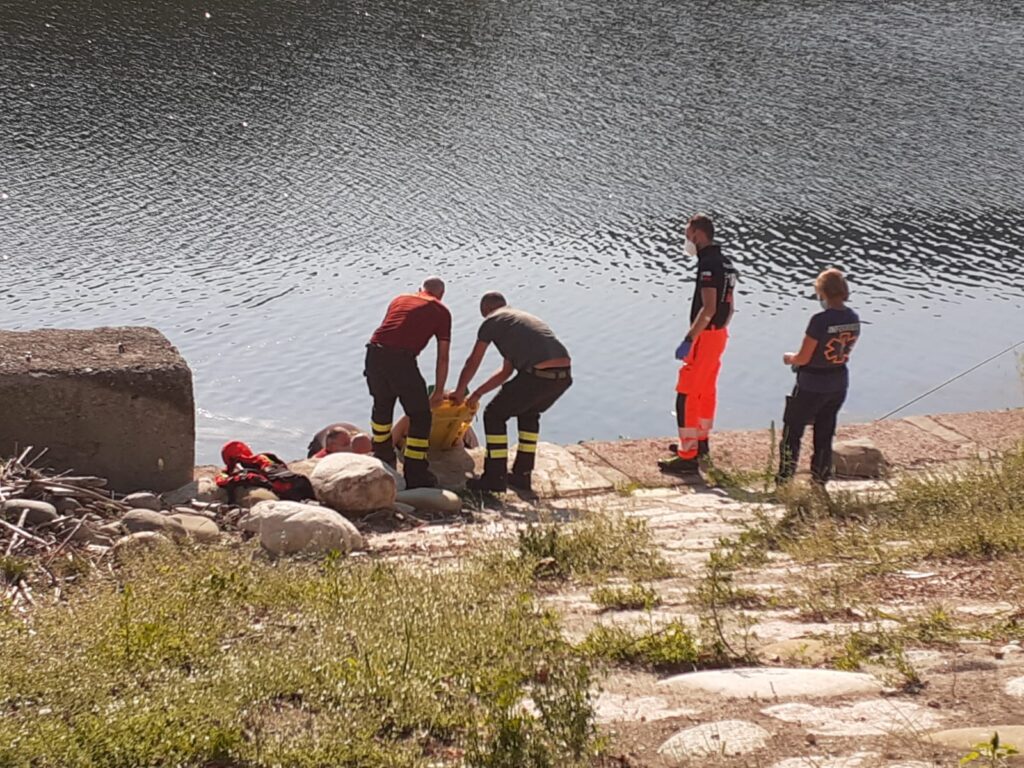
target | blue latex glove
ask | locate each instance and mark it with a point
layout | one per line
(683, 350)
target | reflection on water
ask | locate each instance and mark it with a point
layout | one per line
(258, 179)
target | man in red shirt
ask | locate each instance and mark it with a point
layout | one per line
(392, 374)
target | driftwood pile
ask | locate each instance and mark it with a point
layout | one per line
(37, 547)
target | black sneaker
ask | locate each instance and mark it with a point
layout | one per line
(679, 466)
(485, 484)
(520, 482)
(420, 479)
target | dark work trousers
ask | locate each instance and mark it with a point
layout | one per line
(804, 408)
(392, 374)
(526, 397)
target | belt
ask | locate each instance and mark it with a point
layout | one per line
(555, 374)
(396, 350)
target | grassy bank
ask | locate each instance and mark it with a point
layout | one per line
(217, 657)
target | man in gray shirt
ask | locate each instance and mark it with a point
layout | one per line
(543, 370)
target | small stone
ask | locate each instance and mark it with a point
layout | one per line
(139, 520)
(726, 738)
(143, 500)
(858, 459)
(431, 500)
(247, 498)
(405, 509)
(138, 541)
(37, 512)
(65, 505)
(198, 528)
(204, 489)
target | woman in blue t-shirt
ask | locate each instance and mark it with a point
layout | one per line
(822, 378)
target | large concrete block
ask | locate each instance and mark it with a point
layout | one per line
(112, 402)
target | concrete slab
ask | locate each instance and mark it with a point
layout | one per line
(615, 707)
(877, 717)
(111, 402)
(995, 430)
(773, 683)
(965, 738)
(726, 738)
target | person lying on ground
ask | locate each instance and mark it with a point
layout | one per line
(341, 439)
(318, 443)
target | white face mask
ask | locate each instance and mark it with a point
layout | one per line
(691, 247)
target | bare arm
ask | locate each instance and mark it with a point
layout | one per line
(803, 357)
(441, 371)
(709, 301)
(469, 369)
(498, 378)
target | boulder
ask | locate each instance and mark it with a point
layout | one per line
(138, 541)
(204, 489)
(773, 683)
(143, 520)
(36, 512)
(431, 499)
(143, 500)
(353, 483)
(290, 527)
(197, 527)
(858, 458)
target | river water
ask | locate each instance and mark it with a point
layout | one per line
(258, 179)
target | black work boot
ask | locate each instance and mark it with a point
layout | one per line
(679, 466)
(488, 483)
(418, 476)
(520, 481)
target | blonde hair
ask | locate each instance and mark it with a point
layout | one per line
(832, 285)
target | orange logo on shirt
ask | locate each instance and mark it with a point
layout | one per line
(838, 349)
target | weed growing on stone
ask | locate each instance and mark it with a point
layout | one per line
(879, 649)
(634, 597)
(990, 753)
(214, 658)
(671, 647)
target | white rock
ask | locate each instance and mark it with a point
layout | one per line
(353, 483)
(204, 489)
(197, 527)
(770, 683)
(1015, 687)
(877, 717)
(431, 499)
(249, 497)
(140, 520)
(143, 500)
(36, 512)
(290, 527)
(614, 707)
(725, 738)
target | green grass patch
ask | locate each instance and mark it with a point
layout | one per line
(591, 549)
(212, 658)
(630, 598)
(673, 646)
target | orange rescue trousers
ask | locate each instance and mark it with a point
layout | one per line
(698, 390)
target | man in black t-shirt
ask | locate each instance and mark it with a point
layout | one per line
(542, 363)
(822, 378)
(701, 350)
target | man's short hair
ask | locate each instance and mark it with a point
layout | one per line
(434, 286)
(832, 284)
(703, 223)
(491, 301)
